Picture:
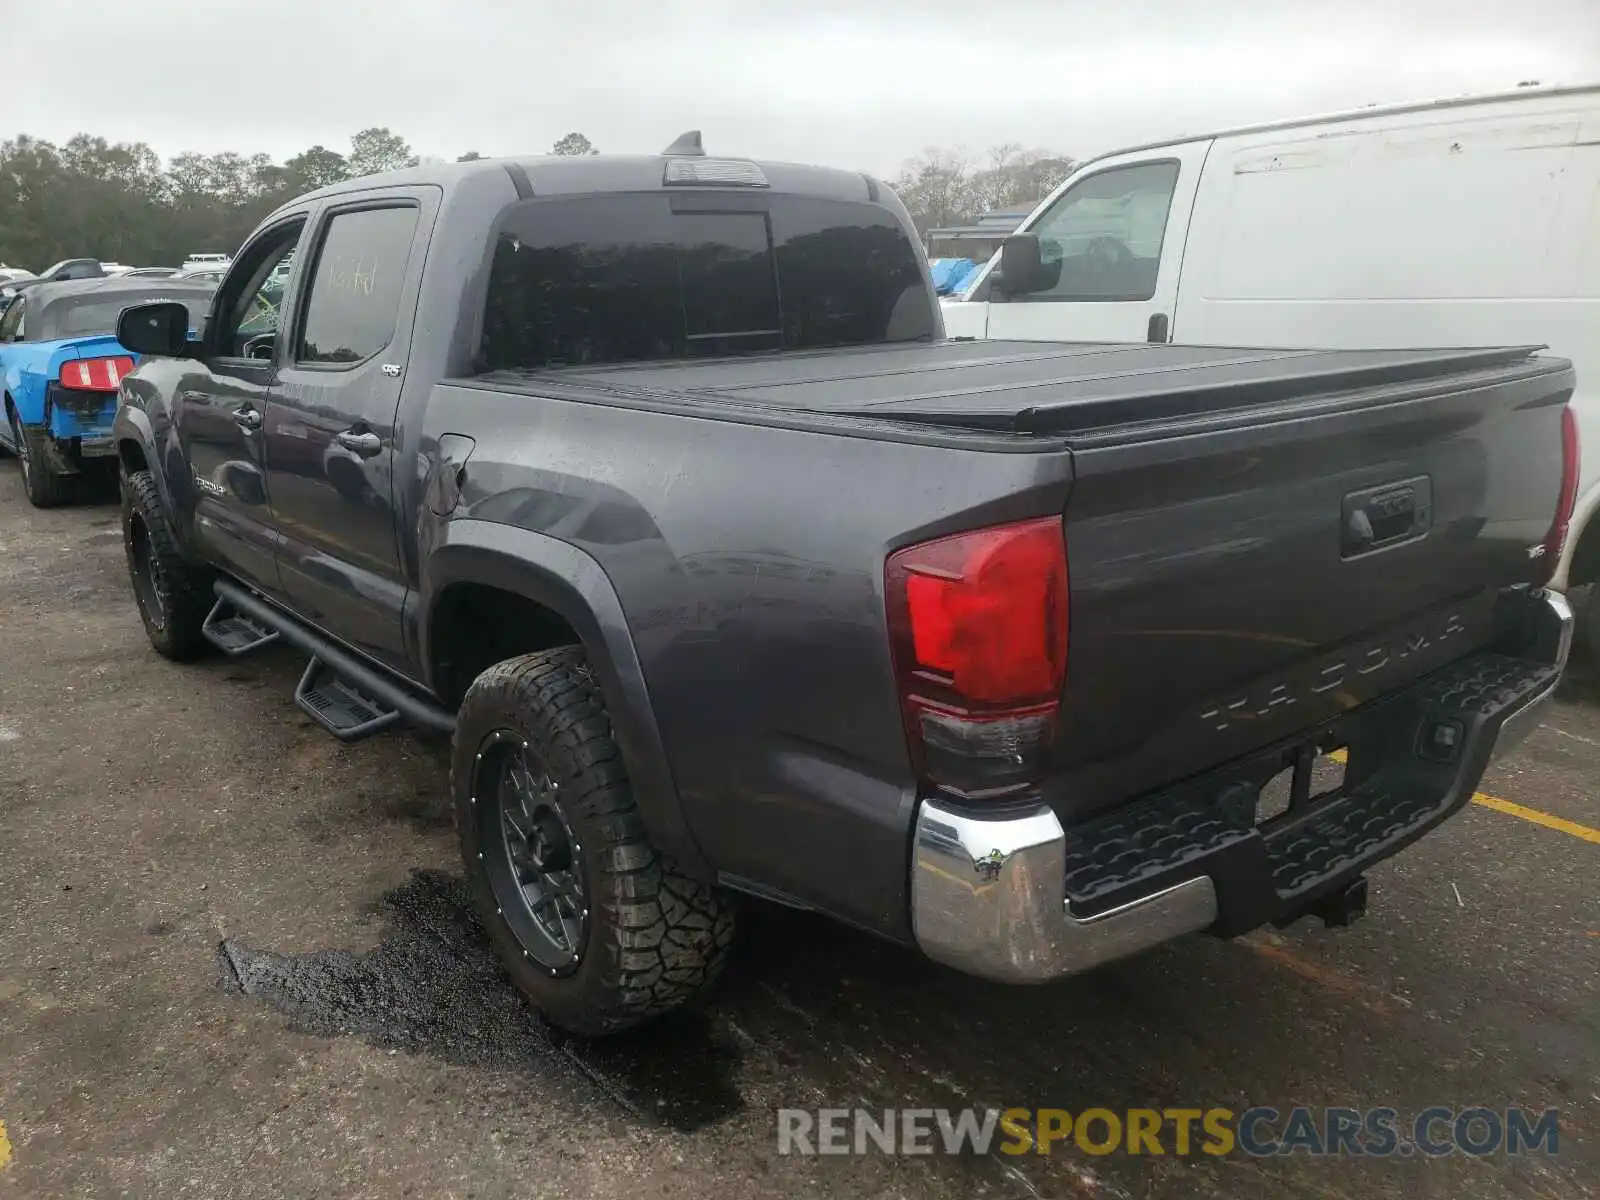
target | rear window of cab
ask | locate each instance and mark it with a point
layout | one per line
(634, 277)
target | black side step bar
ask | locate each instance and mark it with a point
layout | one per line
(233, 632)
(355, 684)
(341, 707)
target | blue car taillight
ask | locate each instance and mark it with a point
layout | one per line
(95, 374)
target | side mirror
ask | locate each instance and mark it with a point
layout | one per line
(1020, 265)
(160, 328)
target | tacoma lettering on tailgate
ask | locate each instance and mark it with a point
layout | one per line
(1366, 663)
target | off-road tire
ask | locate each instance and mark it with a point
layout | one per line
(186, 599)
(656, 937)
(46, 487)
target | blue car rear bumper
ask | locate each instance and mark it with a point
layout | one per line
(79, 423)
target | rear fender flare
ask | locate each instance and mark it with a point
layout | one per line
(573, 585)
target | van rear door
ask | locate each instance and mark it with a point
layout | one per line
(1111, 244)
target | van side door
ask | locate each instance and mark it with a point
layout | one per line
(1111, 248)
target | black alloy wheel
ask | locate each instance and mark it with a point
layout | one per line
(533, 861)
(149, 581)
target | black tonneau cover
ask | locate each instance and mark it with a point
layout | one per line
(1023, 387)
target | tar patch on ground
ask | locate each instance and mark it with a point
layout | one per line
(435, 987)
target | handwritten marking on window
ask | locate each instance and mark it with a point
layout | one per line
(353, 277)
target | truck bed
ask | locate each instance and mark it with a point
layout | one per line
(1071, 389)
(1222, 596)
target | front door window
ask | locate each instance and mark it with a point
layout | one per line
(1101, 241)
(253, 297)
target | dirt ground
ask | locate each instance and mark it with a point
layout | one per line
(236, 961)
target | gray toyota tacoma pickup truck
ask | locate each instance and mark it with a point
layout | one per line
(653, 483)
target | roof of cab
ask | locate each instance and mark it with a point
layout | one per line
(554, 175)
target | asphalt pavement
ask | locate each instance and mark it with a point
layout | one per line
(237, 960)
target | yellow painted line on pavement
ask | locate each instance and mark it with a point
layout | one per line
(1548, 820)
(5, 1147)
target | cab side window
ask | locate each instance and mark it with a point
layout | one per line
(247, 312)
(356, 281)
(1101, 241)
(266, 300)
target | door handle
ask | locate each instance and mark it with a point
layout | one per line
(365, 444)
(248, 418)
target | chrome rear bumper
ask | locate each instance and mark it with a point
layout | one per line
(989, 891)
(987, 897)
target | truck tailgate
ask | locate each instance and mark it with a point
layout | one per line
(1244, 573)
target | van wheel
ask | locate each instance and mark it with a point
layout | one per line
(172, 592)
(46, 487)
(596, 927)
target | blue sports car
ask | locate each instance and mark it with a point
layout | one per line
(60, 367)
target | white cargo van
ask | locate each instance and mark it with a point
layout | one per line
(1463, 222)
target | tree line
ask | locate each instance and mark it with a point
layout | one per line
(942, 188)
(117, 201)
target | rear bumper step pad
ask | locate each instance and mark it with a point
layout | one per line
(1403, 777)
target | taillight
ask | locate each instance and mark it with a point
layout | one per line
(979, 629)
(95, 374)
(1555, 541)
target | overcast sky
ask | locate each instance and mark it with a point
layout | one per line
(861, 85)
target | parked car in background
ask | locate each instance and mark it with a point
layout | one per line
(1465, 222)
(13, 274)
(206, 260)
(200, 275)
(73, 268)
(654, 483)
(149, 272)
(115, 268)
(60, 365)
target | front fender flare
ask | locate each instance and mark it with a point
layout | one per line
(133, 425)
(573, 585)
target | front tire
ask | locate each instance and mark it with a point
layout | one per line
(173, 593)
(595, 926)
